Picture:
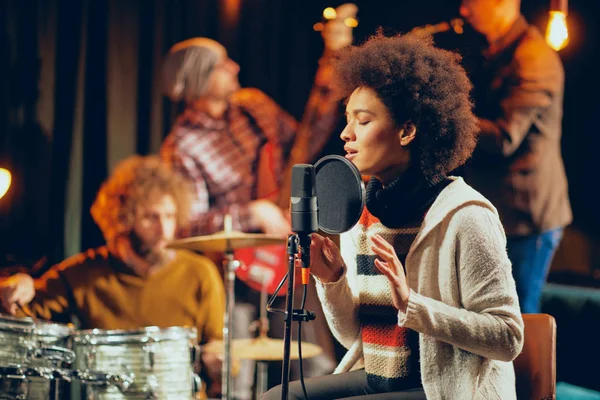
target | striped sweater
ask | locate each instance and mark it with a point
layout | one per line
(390, 351)
(463, 301)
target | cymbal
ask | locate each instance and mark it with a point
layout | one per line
(226, 241)
(263, 349)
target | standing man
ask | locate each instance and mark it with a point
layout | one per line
(235, 144)
(519, 85)
(226, 134)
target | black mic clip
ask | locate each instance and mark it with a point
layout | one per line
(300, 314)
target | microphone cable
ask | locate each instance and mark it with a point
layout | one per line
(304, 291)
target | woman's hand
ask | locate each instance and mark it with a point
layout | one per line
(326, 262)
(392, 268)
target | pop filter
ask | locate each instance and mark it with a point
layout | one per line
(340, 194)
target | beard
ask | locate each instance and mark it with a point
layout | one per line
(160, 256)
(154, 256)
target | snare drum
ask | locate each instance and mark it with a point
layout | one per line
(160, 359)
(16, 340)
(28, 343)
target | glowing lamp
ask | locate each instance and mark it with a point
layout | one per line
(557, 33)
(5, 179)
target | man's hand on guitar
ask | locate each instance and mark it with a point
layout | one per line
(326, 262)
(269, 218)
(336, 34)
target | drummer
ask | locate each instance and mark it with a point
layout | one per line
(134, 280)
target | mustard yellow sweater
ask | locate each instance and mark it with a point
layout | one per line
(104, 293)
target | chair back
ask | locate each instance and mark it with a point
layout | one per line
(535, 367)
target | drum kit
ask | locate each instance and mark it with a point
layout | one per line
(42, 360)
(261, 349)
(46, 360)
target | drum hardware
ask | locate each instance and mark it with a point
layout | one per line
(42, 383)
(195, 356)
(196, 384)
(100, 379)
(262, 326)
(90, 358)
(227, 241)
(21, 383)
(262, 348)
(32, 352)
(151, 387)
(230, 266)
(149, 350)
(195, 350)
(54, 354)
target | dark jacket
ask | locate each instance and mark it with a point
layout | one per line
(518, 164)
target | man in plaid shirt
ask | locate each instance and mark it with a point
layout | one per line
(234, 144)
(219, 138)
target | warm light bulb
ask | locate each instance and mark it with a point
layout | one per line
(557, 34)
(5, 179)
(329, 13)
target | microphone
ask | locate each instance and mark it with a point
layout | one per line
(304, 211)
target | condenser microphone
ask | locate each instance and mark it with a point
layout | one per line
(304, 211)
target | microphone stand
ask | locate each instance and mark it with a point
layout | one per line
(291, 314)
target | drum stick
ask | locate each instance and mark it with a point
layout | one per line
(25, 310)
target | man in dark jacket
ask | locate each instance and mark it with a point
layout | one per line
(519, 85)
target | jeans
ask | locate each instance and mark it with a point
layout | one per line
(531, 257)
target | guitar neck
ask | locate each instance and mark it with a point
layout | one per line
(300, 148)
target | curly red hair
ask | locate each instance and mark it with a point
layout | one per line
(135, 180)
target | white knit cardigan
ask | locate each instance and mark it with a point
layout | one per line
(463, 300)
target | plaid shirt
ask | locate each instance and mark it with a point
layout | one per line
(221, 156)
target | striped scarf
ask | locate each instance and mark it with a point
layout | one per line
(390, 351)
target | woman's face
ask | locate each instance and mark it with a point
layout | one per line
(374, 142)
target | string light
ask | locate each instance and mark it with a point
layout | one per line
(330, 14)
(351, 22)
